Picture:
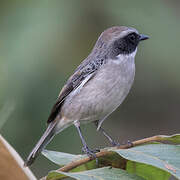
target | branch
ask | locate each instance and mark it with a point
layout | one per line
(77, 163)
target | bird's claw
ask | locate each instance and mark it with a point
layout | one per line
(114, 143)
(130, 144)
(91, 153)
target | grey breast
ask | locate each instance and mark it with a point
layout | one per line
(102, 94)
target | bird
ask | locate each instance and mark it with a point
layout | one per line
(96, 88)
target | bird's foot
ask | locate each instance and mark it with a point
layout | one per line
(114, 143)
(91, 153)
(130, 144)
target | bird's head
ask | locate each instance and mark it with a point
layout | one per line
(119, 40)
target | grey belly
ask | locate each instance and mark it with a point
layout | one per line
(101, 95)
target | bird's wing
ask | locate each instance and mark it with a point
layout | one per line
(81, 76)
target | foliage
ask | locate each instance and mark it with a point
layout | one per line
(150, 161)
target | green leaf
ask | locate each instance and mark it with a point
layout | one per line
(60, 158)
(163, 156)
(147, 171)
(150, 161)
(106, 173)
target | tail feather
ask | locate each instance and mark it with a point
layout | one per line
(45, 139)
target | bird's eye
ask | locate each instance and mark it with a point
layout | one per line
(132, 37)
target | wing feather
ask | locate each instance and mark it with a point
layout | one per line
(87, 67)
(74, 82)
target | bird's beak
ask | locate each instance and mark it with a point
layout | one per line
(143, 37)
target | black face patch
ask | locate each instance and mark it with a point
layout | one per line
(125, 45)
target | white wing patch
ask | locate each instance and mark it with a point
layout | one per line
(77, 90)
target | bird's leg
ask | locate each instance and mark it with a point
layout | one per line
(113, 142)
(85, 149)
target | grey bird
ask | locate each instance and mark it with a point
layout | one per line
(97, 87)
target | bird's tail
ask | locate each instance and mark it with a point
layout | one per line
(45, 139)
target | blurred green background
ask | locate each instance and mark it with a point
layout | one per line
(42, 42)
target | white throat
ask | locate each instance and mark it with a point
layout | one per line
(125, 57)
